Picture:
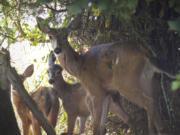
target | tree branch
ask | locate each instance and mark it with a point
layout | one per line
(7, 36)
(15, 80)
(54, 10)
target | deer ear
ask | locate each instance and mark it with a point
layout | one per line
(28, 72)
(43, 26)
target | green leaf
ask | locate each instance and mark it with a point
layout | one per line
(77, 6)
(35, 60)
(175, 85)
(65, 22)
(2, 21)
(4, 3)
(174, 25)
(178, 77)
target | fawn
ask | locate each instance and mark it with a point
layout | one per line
(46, 99)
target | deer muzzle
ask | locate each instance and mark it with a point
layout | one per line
(51, 81)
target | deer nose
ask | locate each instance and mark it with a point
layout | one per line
(57, 50)
(51, 81)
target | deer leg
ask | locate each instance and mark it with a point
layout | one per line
(26, 126)
(116, 108)
(101, 106)
(71, 123)
(154, 119)
(89, 104)
(162, 128)
(82, 122)
(155, 124)
(151, 128)
(36, 127)
(53, 114)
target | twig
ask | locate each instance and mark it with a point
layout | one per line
(166, 99)
(54, 10)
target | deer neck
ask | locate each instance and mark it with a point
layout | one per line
(70, 60)
(59, 82)
(61, 86)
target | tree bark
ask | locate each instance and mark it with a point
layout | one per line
(8, 124)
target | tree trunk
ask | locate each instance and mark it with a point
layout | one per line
(8, 124)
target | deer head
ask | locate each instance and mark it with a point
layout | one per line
(62, 34)
(54, 70)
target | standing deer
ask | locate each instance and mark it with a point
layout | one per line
(46, 99)
(112, 67)
(72, 96)
(76, 101)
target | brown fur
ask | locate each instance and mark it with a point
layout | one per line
(76, 101)
(46, 100)
(111, 67)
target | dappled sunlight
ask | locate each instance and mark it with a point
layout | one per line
(22, 55)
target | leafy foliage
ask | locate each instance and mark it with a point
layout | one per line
(175, 4)
(15, 27)
(175, 25)
(34, 35)
(122, 8)
(77, 6)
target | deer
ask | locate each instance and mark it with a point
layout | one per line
(72, 96)
(111, 67)
(45, 98)
(76, 101)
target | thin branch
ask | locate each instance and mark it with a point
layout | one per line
(19, 20)
(18, 25)
(166, 99)
(54, 10)
(7, 36)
